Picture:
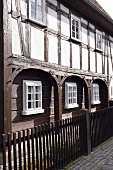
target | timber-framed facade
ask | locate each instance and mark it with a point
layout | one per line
(56, 58)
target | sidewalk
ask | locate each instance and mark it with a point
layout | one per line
(100, 159)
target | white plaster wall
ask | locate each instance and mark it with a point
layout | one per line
(37, 44)
(23, 28)
(99, 63)
(84, 36)
(62, 7)
(52, 49)
(84, 59)
(65, 28)
(103, 44)
(91, 26)
(84, 21)
(23, 5)
(65, 53)
(15, 38)
(92, 61)
(105, 65)
(13, 5)
(110, 66)
(112, 49)
(53, 2)
(92, 39)
(52, 19)
(75, 56)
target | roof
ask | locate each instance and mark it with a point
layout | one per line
(94, 2)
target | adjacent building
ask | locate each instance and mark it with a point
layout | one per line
(55, 59)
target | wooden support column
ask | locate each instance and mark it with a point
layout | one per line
(89, 99)
(7, 53)
(58, 101)
(108, 95)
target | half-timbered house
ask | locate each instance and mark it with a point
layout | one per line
(55, 59)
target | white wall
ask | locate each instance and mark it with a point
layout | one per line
(65, 28)
(15, 38)
(92, 39)
(99, 63)
(75, 56)
(23, 5)
(52, 49)
(84, 36)
(92, 61)
(106, 65)
(52, 19)
(62, 7)
(84, 59)
(53, 2)
(65, 53)
(37, 44)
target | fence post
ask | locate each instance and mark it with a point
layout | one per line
(88, 130)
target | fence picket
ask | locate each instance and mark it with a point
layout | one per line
(9, 151)
(14, 151)
(4, 151)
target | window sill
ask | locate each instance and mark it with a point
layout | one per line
(36, 22)
(32, 112)
(95, 102)
(71, 106)
(75, 40)
(98, 50)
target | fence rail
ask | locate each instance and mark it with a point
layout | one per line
(49, 146)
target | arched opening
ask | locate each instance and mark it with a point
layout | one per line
(33, 99)
(74, 96)
(99, 93)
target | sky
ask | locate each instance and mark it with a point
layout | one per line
(107, 5)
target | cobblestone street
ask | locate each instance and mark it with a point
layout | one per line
(100, 159)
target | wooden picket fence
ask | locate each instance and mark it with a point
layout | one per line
(101, 126)
(52, 146)
(49, 146)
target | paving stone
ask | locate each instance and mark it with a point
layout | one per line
(100, 159)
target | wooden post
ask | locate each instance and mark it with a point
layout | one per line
(88, 130)
(58, 102)
(89, 99)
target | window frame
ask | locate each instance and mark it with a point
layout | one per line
(43, 13)
(100, 33)
(93, 101)
(111, 93)
(34, 110)
(79, 28)
(67, 104)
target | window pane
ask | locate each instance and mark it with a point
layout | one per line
(74, 100)
(33, 14)
(37, 88)
(40, 18)
(33, 6)
(30, 89)
(39, 2)
(39, 104)
(36, 96)
(30, 105)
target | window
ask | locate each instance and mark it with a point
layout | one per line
(36, 10)
(98, 40)
(32, 97)
(75, 28)
(111, 93)
(95, 94)
(70, 95)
